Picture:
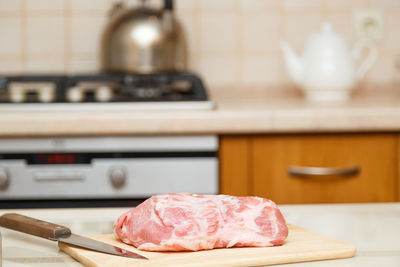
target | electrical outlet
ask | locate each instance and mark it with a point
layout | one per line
(368, 23)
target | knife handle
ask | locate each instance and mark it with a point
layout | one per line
(33, 226)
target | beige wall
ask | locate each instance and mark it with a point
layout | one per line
(230, 41)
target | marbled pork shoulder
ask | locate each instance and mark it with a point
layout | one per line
(191, 222)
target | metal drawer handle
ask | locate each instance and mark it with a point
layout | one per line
(322, 171)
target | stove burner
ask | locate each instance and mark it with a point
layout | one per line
(102, 87)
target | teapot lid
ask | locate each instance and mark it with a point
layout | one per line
(326, 37)
(326, 27)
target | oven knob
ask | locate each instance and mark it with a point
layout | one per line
(4, 180)
(103, 94)
(46, 94)
(118, 177)
(17, 94)
(75, 94)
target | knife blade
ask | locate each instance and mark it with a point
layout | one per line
(60, 233)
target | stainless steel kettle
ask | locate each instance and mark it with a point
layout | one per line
(143, 40)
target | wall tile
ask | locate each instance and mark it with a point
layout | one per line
(389, 5)
(342, 23)
(298, 27)
(383, 71)
(218, 33)
(87, 64)
(262, 69)
(258, 5)
(302, 4)
(45, 65)
(218, 70)
(10, 5)
(396, 78)
(8, 67)
(90, 5)
(45, 35)
(346, 4)
(45, 5)
(186, 5)
(86, 34)
(261, 31)
(188, 21)
(391, 38)
(221, 5)
(10, 32)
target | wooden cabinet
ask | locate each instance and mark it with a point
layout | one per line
(397, 165)
(234, 165)
(259, 165)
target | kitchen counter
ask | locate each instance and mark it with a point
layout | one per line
(236, 112)
(372, 228)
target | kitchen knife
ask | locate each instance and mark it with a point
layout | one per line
(60, 233)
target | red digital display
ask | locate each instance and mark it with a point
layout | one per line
(57, 158)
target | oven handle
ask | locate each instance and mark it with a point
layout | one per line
(46, 176)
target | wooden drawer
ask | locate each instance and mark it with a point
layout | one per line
(373, 154)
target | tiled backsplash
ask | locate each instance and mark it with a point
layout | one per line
(230, 41)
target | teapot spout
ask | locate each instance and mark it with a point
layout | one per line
(293, 63)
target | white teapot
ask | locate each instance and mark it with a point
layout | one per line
(327, 70)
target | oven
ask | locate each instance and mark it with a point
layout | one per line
(104, 171)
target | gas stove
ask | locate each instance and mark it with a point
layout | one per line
(104, 91)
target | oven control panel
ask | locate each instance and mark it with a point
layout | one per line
(107, 167)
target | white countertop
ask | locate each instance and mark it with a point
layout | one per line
(237, 111)
(372, 228)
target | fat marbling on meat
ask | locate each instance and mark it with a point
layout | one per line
(191, 222)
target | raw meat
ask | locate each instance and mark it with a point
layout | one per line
(191, 222)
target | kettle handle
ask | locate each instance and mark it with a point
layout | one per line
(367, 63)
(168, 5)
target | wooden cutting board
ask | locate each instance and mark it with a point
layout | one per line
(301, 245)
